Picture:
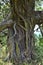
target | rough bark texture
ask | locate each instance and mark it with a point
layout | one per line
(23, 14)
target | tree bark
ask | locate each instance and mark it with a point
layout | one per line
(23, 14)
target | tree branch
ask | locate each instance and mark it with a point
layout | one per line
(5, 24)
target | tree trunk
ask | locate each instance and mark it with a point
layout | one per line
(22, 13)
(23, 16)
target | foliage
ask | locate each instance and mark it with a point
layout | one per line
(39, 5)
(4, 9)
(39, 49)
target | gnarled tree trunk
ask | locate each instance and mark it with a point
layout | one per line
(21, 34)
